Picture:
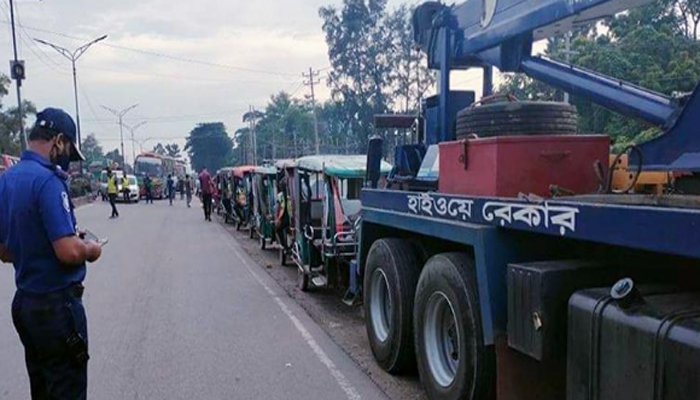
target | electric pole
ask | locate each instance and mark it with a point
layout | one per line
(120, 115)
(312, 79)
(131, 130)
(73, 57)
(253, 118)
(567, 54)
(17, 73)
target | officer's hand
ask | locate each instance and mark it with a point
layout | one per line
(94, 251)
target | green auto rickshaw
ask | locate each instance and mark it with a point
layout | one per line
(264, 201)
(326, 209)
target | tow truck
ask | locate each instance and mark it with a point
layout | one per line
(500, 262)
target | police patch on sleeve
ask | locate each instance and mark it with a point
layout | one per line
(66, 201)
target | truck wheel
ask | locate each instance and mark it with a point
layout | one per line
(452, 360)
(390, 280)
(518, 118)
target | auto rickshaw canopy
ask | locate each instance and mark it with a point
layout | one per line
(239, 172)
(340, 166)
(266, 170)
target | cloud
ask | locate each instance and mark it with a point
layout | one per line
(280, 36)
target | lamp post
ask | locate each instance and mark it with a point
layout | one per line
(120, 115)
(131, 130)
(17, 72)
(73, 57)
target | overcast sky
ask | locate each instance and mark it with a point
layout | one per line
(248, 50)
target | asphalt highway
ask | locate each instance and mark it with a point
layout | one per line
(177, 310)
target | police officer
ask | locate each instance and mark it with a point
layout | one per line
(38, 235)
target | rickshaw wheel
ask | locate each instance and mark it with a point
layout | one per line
(238, 226)
(304, 281)
(252, 232)
(262, 242)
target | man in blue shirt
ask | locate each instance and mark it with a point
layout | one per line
(38, 235)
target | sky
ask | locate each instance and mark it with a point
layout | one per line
(182, 62)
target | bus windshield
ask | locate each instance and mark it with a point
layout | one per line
(149, 166)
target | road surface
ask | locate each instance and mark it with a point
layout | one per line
(177, 310)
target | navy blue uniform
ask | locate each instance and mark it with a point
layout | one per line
(35, 211)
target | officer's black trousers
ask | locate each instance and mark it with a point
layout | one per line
(45, 323)
(113, 203)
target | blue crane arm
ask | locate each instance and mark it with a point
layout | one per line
(613, 94)
(500, 33)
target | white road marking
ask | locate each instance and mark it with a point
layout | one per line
(340, 378)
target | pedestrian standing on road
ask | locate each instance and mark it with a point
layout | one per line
(181, 186)
(171, 189)
(148, 184)
(188, 189)
(282, 215)
(125, 188)
(206, 188)
(38, 235)
(112, 190)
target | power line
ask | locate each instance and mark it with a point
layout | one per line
(164, 55)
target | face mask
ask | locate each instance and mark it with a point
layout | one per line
(59, 156)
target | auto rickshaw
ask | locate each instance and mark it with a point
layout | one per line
(242, 193)
(264, 199)
(327, 207)
(285, 192)
(224, 187)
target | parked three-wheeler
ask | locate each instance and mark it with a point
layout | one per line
(224, 186)
(242, 194)
(285, 197)
(327, 207)
(264, 198)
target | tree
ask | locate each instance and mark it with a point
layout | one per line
(10, 140)
(115, 157)
(91, 149)
(173, 150)
(159, 149)
(358, 43)
(375, 68)
(209, 146)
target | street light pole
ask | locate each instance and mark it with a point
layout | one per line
(133, 129)
(73, 57)
(18, 80)
(120, 115)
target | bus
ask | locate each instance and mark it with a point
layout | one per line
(158, 167)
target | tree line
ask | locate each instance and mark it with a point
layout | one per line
(374, 69)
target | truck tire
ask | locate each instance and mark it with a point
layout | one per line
(390, 280)
(518, 118)
(453, 361)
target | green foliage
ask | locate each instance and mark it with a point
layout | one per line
(115, 157)
(91, 149)
(209, 146)
(159, 149)
(654, 46)
(10, 140)
(374, 67)
(173, 150)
